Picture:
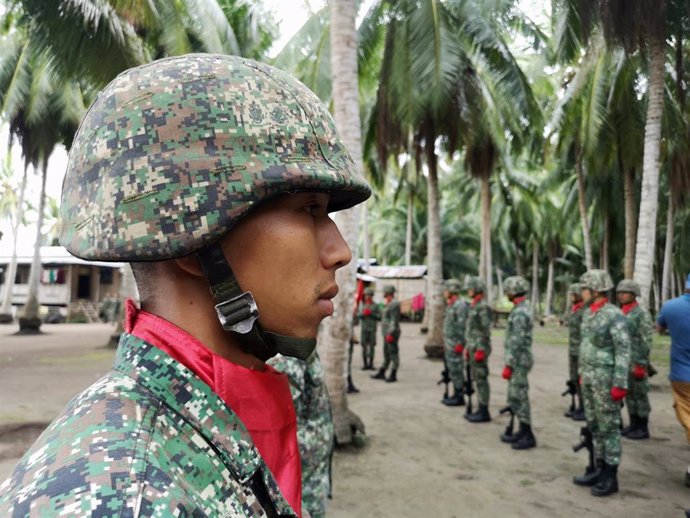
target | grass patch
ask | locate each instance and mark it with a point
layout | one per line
(527, 482)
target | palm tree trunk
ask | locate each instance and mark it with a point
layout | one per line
(30, 322)
(630, 221)
(519, 268)
(587, 240)
(435, 304)
(408, 226)
(646, 228)
(667, 273)
(604, 256)
(549, 285)
(499, 283)
(535, 277)
(6, 308)
(486, 268)
(336, 333)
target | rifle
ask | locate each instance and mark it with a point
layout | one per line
(469, 389)
(586, 442)
(510, 426)
(572, 390)
(445, 377)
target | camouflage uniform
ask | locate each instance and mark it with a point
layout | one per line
(454, 324)
(390, 326)
(315, 433)
(574, 320)
(148, 439)
(518, 356)
(368, 324)
(168, 159)
(478, 337)
(641, 330)
(604, 365)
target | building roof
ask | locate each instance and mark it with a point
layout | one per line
(398, 272)
(56, 255)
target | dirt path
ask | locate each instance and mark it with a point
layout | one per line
(422, 459)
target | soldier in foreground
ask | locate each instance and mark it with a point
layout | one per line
(214, 176)
(454, 340)
(604, 364)
(478, 337)
(315, 434)
(518, 362)
(641, 330)
(574, 320)
(369, 315)
(390, 326)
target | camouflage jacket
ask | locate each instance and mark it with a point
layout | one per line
(149, 439)
(641, 330)
(574, 324)
(391, 319)
(605, 343)
(518, 347)
(454, 324)
(478, 330)
(369, 322)
(315, 433)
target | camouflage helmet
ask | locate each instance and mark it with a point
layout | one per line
(172, 154)
(452, 286)
(369, 291)
(516, 285)
(389, 289)
(596, 280)
(630, 286)
(475, 283)
(574, 288)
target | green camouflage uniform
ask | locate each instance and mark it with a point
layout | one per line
(478, 336)
(574, 324)
(315, 433)
(150, 439)
(454, 333)
(641, 331)
(390, 325)
(604, 363)
(368, 331)
(518, 356)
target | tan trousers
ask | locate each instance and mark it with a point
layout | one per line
(681, 404)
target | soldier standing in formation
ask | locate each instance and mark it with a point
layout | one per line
(478, 346)
(641, 330)
(518, 362)
(574, 322)
(604, 365)
(369, 314)
(390, 326)
(454, 340)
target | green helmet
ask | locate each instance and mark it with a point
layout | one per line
(453, 286)
(475, 283)
(516, 285)
(369, 292)
(574, 288)
(173, 154)
(596, 280)
(630, 286)
(389, 290)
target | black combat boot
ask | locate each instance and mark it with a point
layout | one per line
(632, 426)
(608, 482)
(392, 378)
(480, 416)
(513, 437)
(380, 375)
(590, 476)
(527, 439)
(579, 414)
(456, 399)
(641, 431)
(351, 389)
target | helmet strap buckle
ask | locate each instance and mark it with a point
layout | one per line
(238, 314)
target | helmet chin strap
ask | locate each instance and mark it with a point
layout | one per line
(238, 314)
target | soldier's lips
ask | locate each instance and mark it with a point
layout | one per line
(324, 301)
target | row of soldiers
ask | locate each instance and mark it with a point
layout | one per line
(609, 362)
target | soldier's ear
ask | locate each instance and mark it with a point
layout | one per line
(189, 264)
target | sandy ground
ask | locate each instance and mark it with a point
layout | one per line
(421, 459)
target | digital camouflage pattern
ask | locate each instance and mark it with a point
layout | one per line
(454, 323)
(315, 433)
(515, 285)
(368, 325)
(475, 283)
(574, 320)
(604, 363)
(641, 330)
(173, 154)
(478, 337)
(596, 280)
(160, 443)
(629, 286)
(518, 356)
(390, 325)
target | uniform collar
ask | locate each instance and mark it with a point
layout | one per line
(519, 300)
(476, 299)
(596, 306)
(576, 307)
(627, 308)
